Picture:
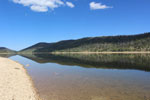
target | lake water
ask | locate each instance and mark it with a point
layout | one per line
(89, 76)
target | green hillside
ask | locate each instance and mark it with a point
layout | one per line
(4, 50)
(34, 48)
(140, 42)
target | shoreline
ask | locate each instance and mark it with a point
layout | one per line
(101, 52)
(125, 52)
(15, 82)
(109, 52)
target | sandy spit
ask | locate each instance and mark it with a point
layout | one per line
(15, 84)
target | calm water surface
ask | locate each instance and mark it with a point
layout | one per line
(89, 77)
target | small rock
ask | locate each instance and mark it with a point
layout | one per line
(27, 65)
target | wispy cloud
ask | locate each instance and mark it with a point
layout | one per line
(43, 5)
(69, 4)
(95, 6)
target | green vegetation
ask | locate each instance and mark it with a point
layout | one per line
(140, 42)
(33, 48)
(4, 50)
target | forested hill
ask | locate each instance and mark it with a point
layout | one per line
(35, 47)
(140, 42)
(6, 50)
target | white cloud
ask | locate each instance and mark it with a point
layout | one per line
(39, 8)
(95, 6)
(69, 4)
(40, 5)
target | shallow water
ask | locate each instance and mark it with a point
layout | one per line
(89, 77)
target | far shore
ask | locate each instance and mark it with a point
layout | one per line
(127, 52)
(15, 83)
(123, 52)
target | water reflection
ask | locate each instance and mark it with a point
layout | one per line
(89, 77)
(7, 55)
(109, 61)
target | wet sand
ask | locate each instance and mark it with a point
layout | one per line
(15, 84)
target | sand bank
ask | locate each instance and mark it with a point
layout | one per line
(15, 84)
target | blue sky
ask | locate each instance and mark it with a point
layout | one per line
(26, 22)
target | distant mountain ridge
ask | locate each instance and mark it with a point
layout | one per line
(6, 50)
(31, 49)
(140, 42)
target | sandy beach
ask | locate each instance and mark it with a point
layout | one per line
(15, 84)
